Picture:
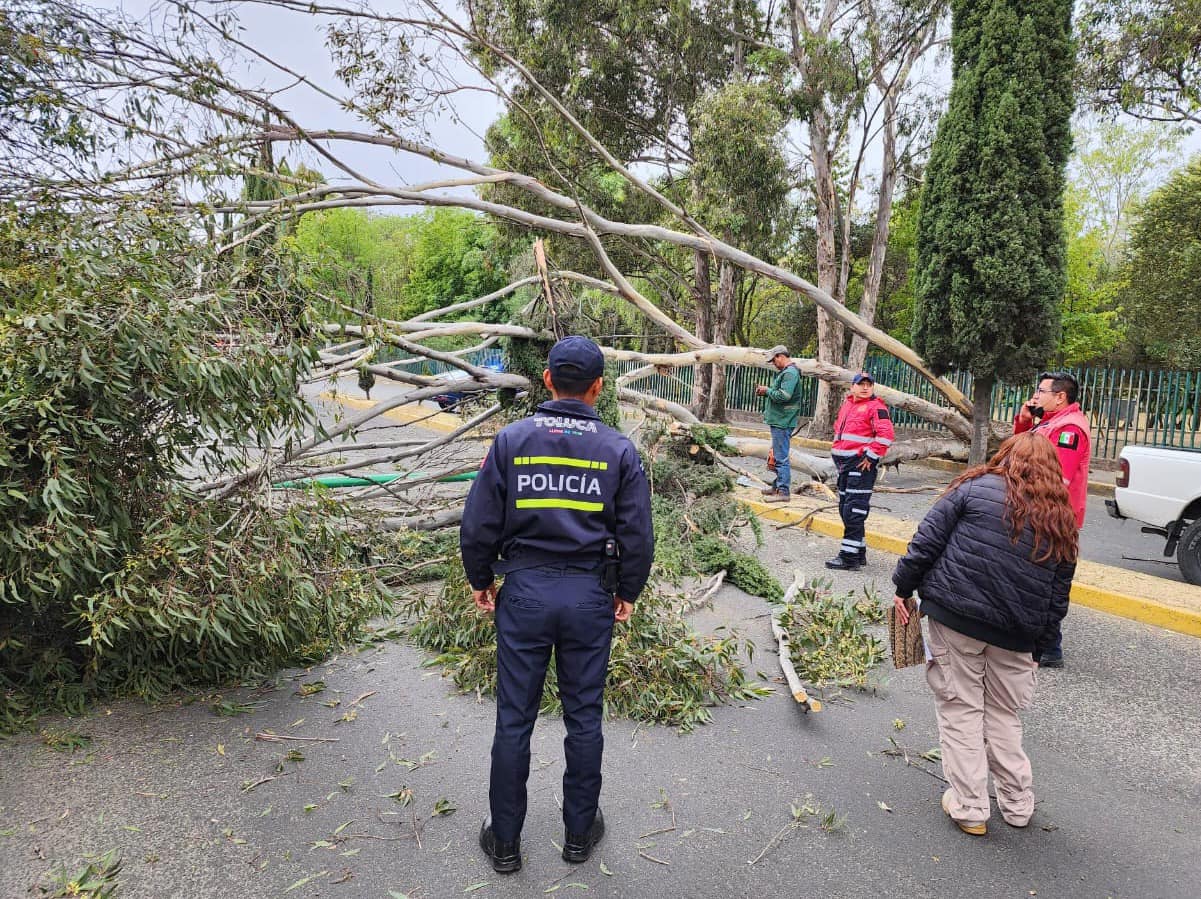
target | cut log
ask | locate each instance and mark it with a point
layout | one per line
(923, 448)
(799, 693)
(814, 466)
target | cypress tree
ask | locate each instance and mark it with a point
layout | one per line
(990, 242)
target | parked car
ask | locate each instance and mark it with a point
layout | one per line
(1161, 487)
(452, 398)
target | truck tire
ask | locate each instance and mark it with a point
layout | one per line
(1188, 553)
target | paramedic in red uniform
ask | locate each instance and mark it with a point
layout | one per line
(1061, 421)
(862, 435)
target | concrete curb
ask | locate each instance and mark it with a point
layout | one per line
(435, 421)
(1165, 604)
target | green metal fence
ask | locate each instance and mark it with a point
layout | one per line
(1144, 406)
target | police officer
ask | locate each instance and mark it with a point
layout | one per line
(863, 433)
(559, 498)
(1055, 408)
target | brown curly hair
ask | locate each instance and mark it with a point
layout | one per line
(1034, 494)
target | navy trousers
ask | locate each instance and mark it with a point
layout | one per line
(854, 502)
(564, 608)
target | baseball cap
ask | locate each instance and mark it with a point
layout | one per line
(863, 376)
(776, 351)
(576, 358)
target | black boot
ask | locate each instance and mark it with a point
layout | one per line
(577, 847)
(845, 562)
(862, 556)
(505, 857)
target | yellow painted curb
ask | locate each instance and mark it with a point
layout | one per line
(1166, 604)
(411, 414)
(1148, 611)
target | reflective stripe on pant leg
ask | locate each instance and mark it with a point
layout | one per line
(858, 503)
(523, 643)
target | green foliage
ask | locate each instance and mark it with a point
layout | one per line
(401, 266)
(740, 170)
(659, 669)
(826, 634)
(1163, 290)
(695, 518)
(990, 247)
(215, 593)
(40, 51)
(118, 384)
(1142, 57)
(1091, 329)
(96, 878)
(416, 556)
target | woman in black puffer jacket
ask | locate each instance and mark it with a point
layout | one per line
(992, 564)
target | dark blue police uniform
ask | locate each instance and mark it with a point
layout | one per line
(553, 488)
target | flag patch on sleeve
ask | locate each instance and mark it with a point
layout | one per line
(1068, 439)
(881, 413)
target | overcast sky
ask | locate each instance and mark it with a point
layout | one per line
(297, 41)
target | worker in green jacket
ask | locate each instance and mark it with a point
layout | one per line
(781, 411)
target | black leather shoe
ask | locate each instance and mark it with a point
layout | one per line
(577, 847)
(862, 557)
(505, 857)
(844, 563)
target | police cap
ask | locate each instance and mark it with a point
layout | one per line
(576, 359)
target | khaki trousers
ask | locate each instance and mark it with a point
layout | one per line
(978, 690)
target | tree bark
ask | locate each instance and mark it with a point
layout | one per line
(703, 295)
(829, 329)
(875, 262)
(981, 418)
(723, 329)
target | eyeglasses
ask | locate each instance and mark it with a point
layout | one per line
(1045, 390)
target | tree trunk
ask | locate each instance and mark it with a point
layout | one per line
(723, 329)
(829, 329)
(981, 418)
(702, 294)
(875, 262)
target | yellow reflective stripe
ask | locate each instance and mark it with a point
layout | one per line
(579, 505)
(561, 460)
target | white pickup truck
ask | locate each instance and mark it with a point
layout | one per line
(1161, 487)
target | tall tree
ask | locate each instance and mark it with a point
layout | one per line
(852, 63)
(990, 247)
(1162, 295)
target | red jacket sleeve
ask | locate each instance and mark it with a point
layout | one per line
(882, 430)
(1021, 427)
(1072, 450)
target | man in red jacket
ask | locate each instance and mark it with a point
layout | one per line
(862, 435)
(1062, 422)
